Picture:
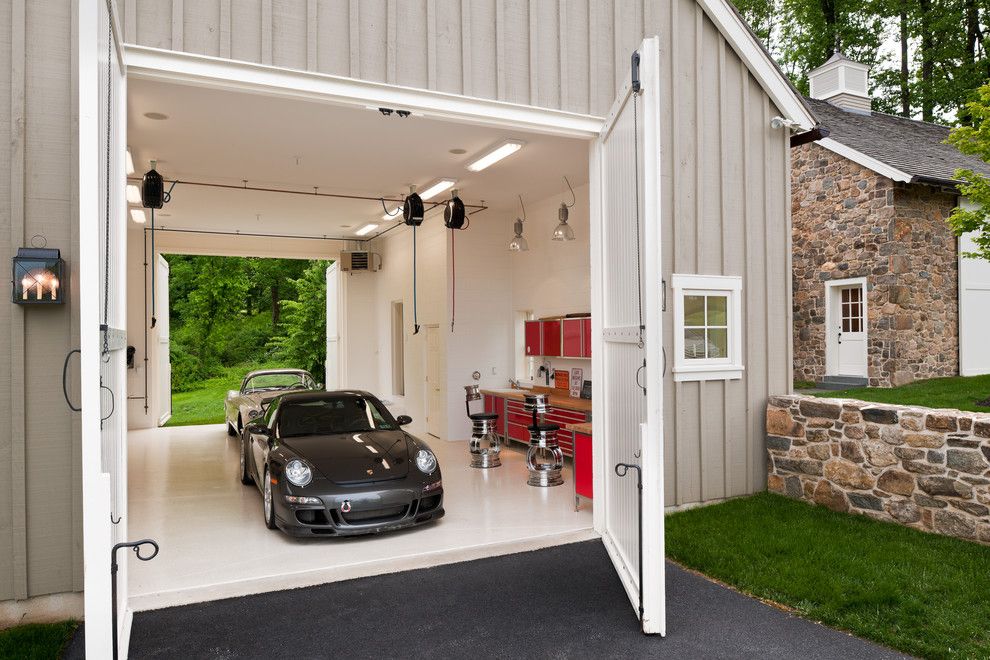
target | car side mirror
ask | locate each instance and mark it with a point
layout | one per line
(258, 428)
(403, 420)
(232, 393)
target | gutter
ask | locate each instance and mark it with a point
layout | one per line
(817, 133)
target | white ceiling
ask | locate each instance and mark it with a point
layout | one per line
(227, 137)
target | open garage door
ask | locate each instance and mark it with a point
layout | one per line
(626, 295)
(164, 341)
(333, 327)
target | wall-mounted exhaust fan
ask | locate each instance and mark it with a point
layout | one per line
(352, 261)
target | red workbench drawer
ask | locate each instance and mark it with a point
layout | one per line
(518, 432)
(586, 337)
(561, 416)
(583, 479)
(551, 338)
(572, 345)
(525, 419)
(566, 441)
(534, 338)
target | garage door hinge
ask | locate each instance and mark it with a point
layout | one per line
(636, 84)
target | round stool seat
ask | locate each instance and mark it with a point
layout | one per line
(543, 428)
(483, 415)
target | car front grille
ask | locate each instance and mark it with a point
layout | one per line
(367, 516)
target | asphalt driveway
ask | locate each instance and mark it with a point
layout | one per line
(561, 602)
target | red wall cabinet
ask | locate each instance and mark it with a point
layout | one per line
(582, 465)
(573, 346)
(586, 337)
(551, 338)
(534, 338)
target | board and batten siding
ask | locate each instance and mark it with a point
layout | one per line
(40, 497)
(726, 211)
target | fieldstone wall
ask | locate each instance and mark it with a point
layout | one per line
(848, 221)
(920, 467)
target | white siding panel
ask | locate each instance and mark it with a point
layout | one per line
(373, 39)
(245, 30)
(201, 27)
(448, 46)
(289, 46)
(154, 23)
(333, 54)
(412, 43)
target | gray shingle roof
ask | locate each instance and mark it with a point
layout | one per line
(914, 147)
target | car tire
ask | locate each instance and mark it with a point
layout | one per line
(268, 502)
(245, 475)
(231, 431)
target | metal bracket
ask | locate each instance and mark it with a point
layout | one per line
(637, 85)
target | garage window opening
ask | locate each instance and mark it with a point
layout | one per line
(707, 318)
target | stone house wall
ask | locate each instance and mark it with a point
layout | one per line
(920, 467)
(849, 221)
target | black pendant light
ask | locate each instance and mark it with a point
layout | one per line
(454, 216)
(152, 188)
(412, 208)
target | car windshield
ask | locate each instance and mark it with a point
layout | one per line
(278, 381)
(344, 414)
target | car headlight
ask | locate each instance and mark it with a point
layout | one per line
(298, 473)
(426, 461)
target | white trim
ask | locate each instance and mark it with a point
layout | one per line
(763, 68)
(829, 348)
(218, 73)
(728, 368)
(868, 162)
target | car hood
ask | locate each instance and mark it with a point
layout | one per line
(352, 458)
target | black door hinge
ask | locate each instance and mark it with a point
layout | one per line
(636, 84)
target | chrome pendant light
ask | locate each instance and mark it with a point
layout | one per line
(563, 231)
(518, 242)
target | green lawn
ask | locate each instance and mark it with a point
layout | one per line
(919, 593)
(204, 405)
(35, 641)
(961, 392)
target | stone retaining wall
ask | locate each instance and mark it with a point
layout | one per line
(920, 467)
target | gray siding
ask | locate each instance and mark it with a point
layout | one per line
(717, 129)
(40, 508)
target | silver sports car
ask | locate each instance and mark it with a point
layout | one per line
(242, 406)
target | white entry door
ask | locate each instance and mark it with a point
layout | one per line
(164, 343)
(627, 340)
(974, 309)
(333, 327)
(434, 382)
(846, 323)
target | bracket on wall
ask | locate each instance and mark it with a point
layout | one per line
(637, 85)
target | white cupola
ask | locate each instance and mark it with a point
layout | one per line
(843, 83)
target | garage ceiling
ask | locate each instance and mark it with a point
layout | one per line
(227, 137)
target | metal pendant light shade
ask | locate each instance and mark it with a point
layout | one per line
(563, 231)
(518, 242)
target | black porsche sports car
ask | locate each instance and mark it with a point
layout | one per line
(338, 463)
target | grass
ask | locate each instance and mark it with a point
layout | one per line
(36, 641)
(204, 405)
(960, 392)
(919, 593)
(804, 385)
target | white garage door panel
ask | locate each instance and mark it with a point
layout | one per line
(974, 312)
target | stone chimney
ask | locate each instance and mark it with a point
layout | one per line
(843, 83)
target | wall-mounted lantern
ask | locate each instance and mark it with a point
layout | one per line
(39, 277)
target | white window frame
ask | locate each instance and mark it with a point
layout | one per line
(727, 368)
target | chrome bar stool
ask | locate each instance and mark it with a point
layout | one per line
(485, 444)
(544, 459)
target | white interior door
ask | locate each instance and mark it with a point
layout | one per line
(434, 381)
(164, 343)
(625, 175)
(847, 330)
(333, 327)
(974, 310)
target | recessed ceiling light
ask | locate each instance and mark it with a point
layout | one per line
(346, 226)
(440, 186)
(498, 153)
(137, 215)
(129, 161)
(458, 152)
(157, 116)
(133, 194)
(367, 229)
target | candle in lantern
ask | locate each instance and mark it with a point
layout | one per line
(25, 285)
(54, 284)
(37, 287)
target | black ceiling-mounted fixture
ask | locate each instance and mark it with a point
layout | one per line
(454, 216)
(412, 208)
(152, 189)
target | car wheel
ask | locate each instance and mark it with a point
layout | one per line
(231, 431)
(246, 477)
(269, 502)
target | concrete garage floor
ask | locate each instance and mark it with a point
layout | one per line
(184, 493)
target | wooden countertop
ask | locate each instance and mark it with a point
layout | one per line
(557, 398)
(584, 428)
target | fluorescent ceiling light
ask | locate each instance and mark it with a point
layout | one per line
(498, 153)
(133, 194)
(437, 188)
(130, 162)
(137, 215)
(396, 214)
(367, 229)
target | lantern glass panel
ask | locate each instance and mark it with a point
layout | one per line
(38, 277)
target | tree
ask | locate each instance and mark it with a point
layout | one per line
(303, 341)
(974, 140)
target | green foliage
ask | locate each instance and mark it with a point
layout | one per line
(920, 593)
(303, 340)
(202, 401)
(974, 140)
(36, 641)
